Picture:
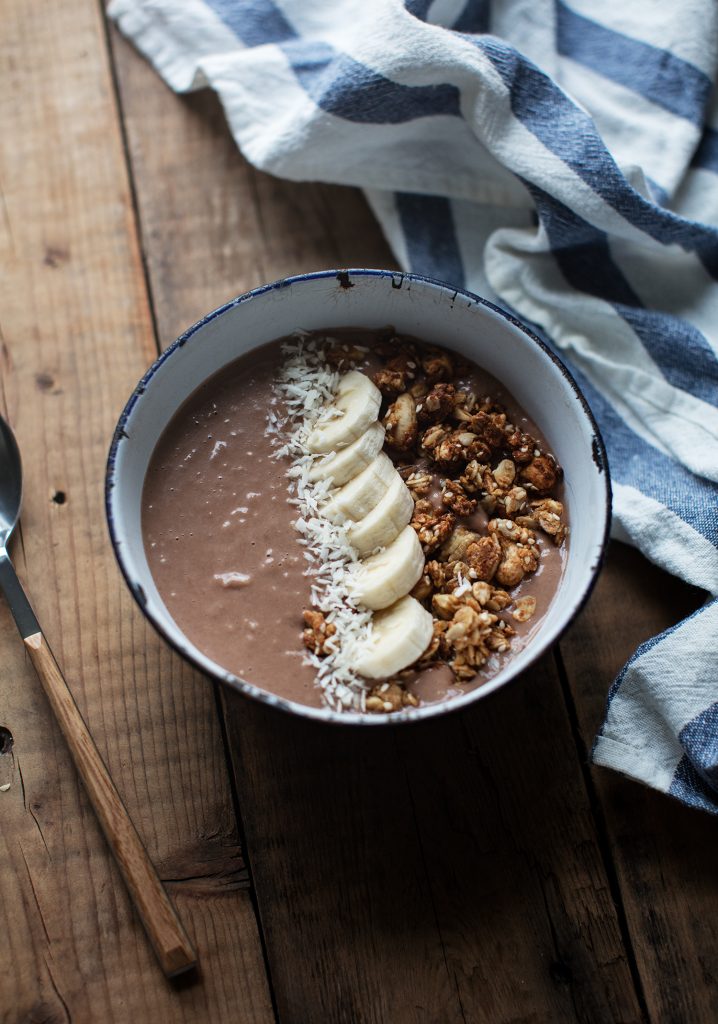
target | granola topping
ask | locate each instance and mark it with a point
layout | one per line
(485, 506)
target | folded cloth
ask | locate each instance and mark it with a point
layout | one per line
(562, 160)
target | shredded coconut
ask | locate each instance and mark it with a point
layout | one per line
(306, 386)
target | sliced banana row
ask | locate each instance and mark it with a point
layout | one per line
(375, 505)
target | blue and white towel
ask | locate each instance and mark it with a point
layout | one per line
(562, 159)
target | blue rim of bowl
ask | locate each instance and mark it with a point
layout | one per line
(324, 714)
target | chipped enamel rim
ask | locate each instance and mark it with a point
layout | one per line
(335, 289)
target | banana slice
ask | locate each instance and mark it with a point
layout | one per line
(400, 634)
(385, 577)
(357, 498)
(350, 461)
(385, 521)
(356, 405)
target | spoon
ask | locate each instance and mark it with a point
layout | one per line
(164, 929)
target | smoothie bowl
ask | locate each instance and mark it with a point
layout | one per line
(359, 496)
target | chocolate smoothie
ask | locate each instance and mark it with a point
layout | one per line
(218, 525)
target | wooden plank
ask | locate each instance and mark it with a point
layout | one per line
(211, 225)
(77, 333)
(445, 873)
(665, 854)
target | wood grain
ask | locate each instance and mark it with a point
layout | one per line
(445, 873)
(441, 872)
(164, 929)
(76, 335)
(212, 226)
(665, 854)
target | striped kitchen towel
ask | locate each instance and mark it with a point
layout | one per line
(561, 159)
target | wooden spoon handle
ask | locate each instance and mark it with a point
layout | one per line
(168, 937)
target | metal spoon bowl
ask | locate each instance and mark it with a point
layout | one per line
(10, 483)
(10, 501)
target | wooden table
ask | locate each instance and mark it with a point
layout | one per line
(473, 869)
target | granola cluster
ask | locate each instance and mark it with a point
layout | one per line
(390, 696)
(317, 632)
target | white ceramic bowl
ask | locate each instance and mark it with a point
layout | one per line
(414, 305)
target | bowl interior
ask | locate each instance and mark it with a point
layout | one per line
(413, 305)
